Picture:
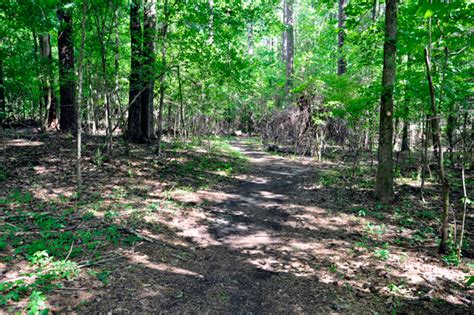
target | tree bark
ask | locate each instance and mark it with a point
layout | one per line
(148, 83)
(67, 118)
(384, 180)
(289, 30)
(48, 90)
(341, 63)
(164, 33)
(405, 138)
(134, 132)
(211, 22)
(250, 39)
(443, 245)
(3, 113)
(79, 100)
(181, 106)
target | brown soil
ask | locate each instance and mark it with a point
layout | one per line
(265, 241)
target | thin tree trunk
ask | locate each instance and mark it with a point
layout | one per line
(384, 180)
(67, 119)
(443, 246)
(250, 39)
(341, 63)
(50, 117)
(284, 40)
(289, 45)
(181, 106)
(79, 99)
(3, 113)
(40, 81)
(164, 33)
(405, 138)
(211, 22)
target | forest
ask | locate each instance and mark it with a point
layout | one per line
(236, 156)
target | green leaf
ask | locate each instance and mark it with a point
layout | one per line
(428, 14)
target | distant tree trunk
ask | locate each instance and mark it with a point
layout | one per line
(375, 9)
(384, 180)
(250, 39)
(3, 112)
(40, 85)
(443, 245)
(211, 22)
(79, 100)
(134, 132)
(67, 119)
(148, 83)
(117, 59)
(48, 90)
(341, 63)
(181, 106)
(284, 35)
(405, 139)
(289, 44)
(164, 34)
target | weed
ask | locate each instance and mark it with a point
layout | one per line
(382, 254)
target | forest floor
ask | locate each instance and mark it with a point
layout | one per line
(216, 226)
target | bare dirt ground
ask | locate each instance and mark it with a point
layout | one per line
(270, 239)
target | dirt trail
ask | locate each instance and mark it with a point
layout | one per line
(262, 242)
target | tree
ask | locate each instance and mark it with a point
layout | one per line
(289, 43)
(67, 118)
(148, 51)
(2, 94)
(341, 63)
(384, 179)
(134, 131)
(50, 115)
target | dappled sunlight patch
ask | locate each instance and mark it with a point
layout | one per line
(254, 240)
(144, 260)
(252, 179)
(23, 143)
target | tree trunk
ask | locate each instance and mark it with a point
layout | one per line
(384, 180)
(164, 33)
(211, 22)
(3, 112)
(48, 90)
(79, 100)
(289, 30)
(443, 245)
(341, 63)
(405, 137)
(67, 119)
(134, 132)
(181, 106)
(39, 77)
(148, 52)
(250, 39)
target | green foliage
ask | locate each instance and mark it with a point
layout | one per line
(382, 254)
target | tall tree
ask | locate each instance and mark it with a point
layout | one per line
(341, 63)
(148, 51)
(2, 94)
(48, 90)
(443, 245)
(289, 43)
(384, 180)
(163, 37)
(134, 132)
(79, 99)
(67, 119)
